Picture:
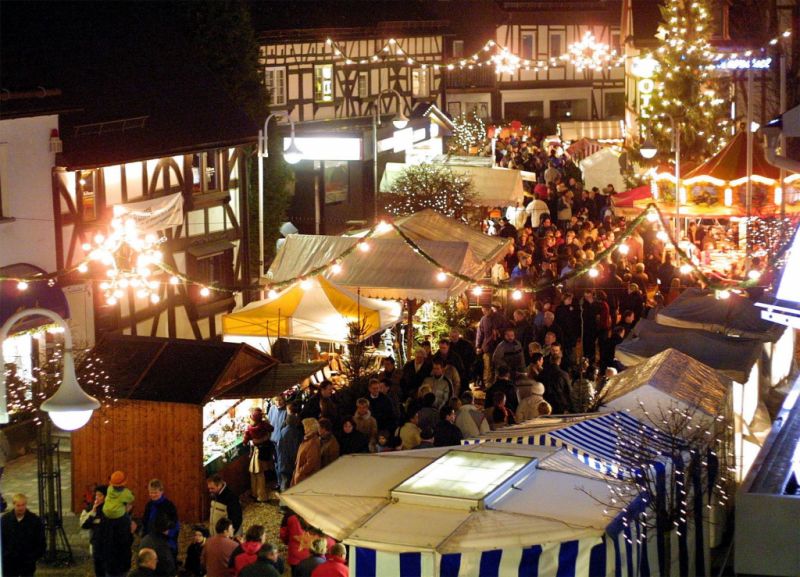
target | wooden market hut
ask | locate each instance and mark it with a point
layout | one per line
(154, 427)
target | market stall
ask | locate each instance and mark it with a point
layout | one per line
(735, 316)
(384, 268)
(486, 509)
(158, 389)
(317, 310)
(603, 168)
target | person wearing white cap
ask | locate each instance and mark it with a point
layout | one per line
(529, 406)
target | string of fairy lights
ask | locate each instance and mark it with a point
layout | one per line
(135, 263)
(585, 54)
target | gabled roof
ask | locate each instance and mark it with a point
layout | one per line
(175, 370)
(676, 375)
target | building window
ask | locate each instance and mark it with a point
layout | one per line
(480, 109)
(210, 264)
(614, 104)
(569, 109)
(323, 83)
(87, 197)
(556, 47)
(275, 83)
(528, 45)
(336, 176)
(205, 172)
(458, 48)
(363, 84)
(616, 44)
(533, 109)
(420, 83)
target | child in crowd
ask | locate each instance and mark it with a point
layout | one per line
(119, 499)
(193, 565)
(384, 443)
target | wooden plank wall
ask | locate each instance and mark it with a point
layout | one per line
(144, 439)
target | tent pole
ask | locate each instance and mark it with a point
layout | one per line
(412, 309)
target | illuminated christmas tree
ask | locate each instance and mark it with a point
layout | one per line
(429, 186)
(469, 135)
(686, 86)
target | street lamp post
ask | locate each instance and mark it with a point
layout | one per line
(69, 408)
(648, 150)
(292, 155)
(399, 121)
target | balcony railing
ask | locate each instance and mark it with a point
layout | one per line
(475, 78)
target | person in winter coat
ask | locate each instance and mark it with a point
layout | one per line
(247, 553)
(308, 455)
(319, 547)
(410, 434)
(289, 444)
(441, 386)
(328, 443)
(265, 565)
(92, 519)
(157, 540)
(529, 406)
(276, 415)
(194, 552)
(509, 353)
(365, 423)
(336, 564)
(351, 440)
(469, 419)
(218, 550)
(223, 496)
(258, 437)
(160, 505)
(23, 539)
(446, 433)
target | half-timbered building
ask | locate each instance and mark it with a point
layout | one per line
(545, 88)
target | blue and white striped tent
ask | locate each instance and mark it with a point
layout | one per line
(552, 522)
(604, 441)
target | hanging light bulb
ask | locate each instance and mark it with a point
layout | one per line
(22, 285)
(516, 295)
(363, 246)
(83, 268)
(382, 227)
(111, 301)
(685, 268)
(593, 272)
(723, 294)
(652, 216)
(662, 236)
(154, 298)
(623, 249)
(173, 280)
(336, 268)
(272, 293)
(204, 292)
(441, 276)
(754, 274)
(305, 284)
(477, 291)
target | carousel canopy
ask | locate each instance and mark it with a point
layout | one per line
(321, 312)
(389, 269)
(729, 166)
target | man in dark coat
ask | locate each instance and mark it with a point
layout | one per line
(381, 407)
(466, 352)
(157, 540)
(221, 493)
(23, 539)
(446, 433)
(556, 382)
(504, 385)
(291, 437)
(159, 505)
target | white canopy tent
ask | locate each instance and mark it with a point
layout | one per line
(452, 512)
(493, 186)
(388, 269)
(602, 168)
(431, 225)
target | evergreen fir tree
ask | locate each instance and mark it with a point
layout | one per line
(686, 86)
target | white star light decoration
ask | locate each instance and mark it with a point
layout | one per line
(129, 257)
(589, 54)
